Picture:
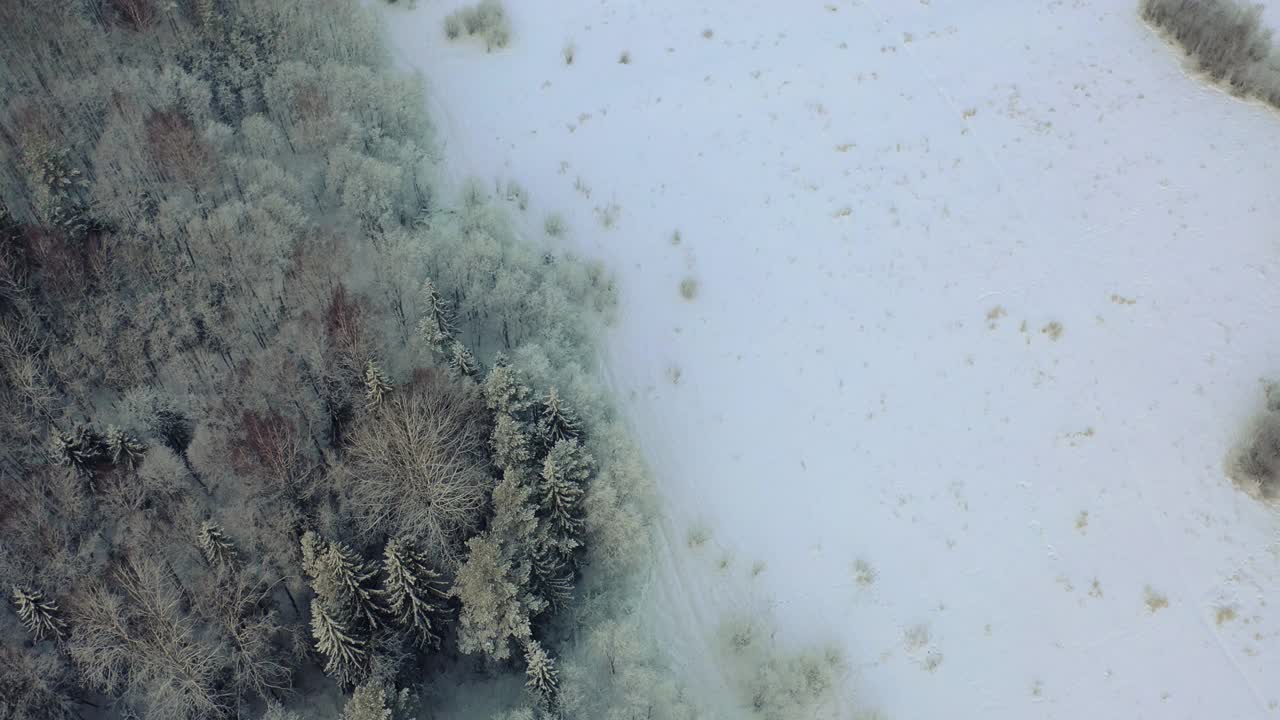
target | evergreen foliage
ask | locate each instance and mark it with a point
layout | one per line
(462, 361)
(123, 448)
(376, 383)
(342, 581)
(38, 613)
(565, 472)
(436, 324)
(218, 549)
(345, 655)
(415, 593)
(556, 420)
(213, 215)
(81, 447)
(540, 671)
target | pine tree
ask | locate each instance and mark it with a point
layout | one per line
(436, 324)
(414, 591)
(218, 549)
(557, 421)
(565, 471)
(342, 579)
(540, 672)
(38, 614)
(376, 383)
(124, 448)
(80, 448)
(462, 361)
(344, 654)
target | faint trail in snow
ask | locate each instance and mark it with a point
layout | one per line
(992, 160)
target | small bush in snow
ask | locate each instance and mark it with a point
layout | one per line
(486, 19)
(568, 52)
(554, 225)
(1255, 464)
(517, 194)
(1224, 39)
(772, 683)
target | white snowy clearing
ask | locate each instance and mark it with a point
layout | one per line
(982, 295)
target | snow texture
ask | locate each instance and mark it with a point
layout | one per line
(984, 294)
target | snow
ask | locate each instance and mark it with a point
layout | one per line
(885, 206)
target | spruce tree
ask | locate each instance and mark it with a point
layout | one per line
(510, 442)
(80, 448)
(505, 391)
(342, 579)
(376, 383)
(415, 593)
(124, 449)
(38, 613)
(462, 361)
(218, 549)
(564, 473)
(556, 420)
(540, 672)
(552, 577)
(344, 654)
(435, 326)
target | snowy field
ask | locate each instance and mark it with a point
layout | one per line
(980, 296)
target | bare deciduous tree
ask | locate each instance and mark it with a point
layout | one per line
(144, 645)
(420, 464)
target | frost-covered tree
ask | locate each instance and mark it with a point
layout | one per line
(276, 711)
(218, 549)
(505, 390)
(556, 420)
(462, 361)
(422, 465)
(415, 593)
(373, 700)
(376, 383)
(510, 441)
(552, 576)
(80, 448)
(145, 646)
(342, 580)
(38, 613)
(565, 472)
(494, 605)
(345, 655)
(156, 413)
(487, 19)
(435, 324)
(124, 449)
(541, 675)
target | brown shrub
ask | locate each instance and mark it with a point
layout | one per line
(272, 450)
(136, 14)
(177, 149)
(344, 323)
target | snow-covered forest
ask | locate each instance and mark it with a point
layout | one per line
(290, 431)
(297, 421)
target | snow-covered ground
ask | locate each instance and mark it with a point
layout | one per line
(984, 294)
